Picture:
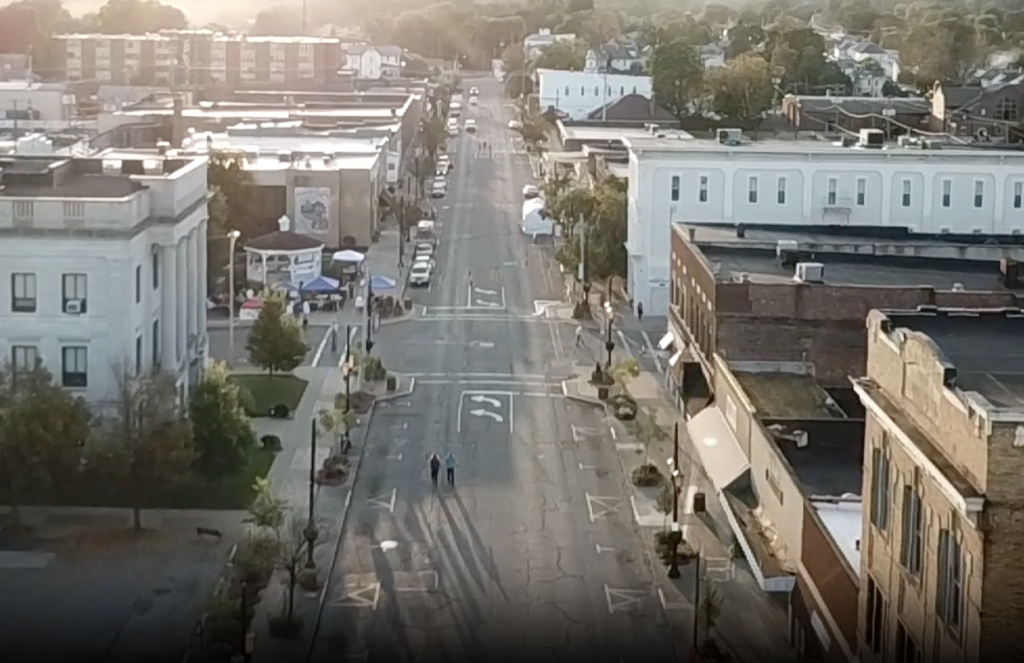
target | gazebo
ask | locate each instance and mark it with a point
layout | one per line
(283, 256)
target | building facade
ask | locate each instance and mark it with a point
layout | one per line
(374, 62)
(534, 45)
(104, 266)
(813, 186)
(943, 463)
(577, 93)
(195, 58)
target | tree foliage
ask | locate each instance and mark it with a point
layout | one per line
(677, 76)
(278, 20)
(222, 432)
(275, 340)
(563, 55)
(228, 177)
(145, 443)
(42, 428)
(742, 90)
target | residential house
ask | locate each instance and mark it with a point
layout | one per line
(619, 58)
(997, 76)
(985, 114)
(887, 59)
(534, 45)
(578, 93)
(712, 56)
(867, 78)
(374, 62)
(634, 108)
(894, 115)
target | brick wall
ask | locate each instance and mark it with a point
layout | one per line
(833, 580)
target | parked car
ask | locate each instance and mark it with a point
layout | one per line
(423, 250)
(515, 125)
(420, 274)
(474, 91)
(473, 101)
(470, 126)
(530, 191)
(439, 191)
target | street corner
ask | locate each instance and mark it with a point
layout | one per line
(404, 387)
(579, 390)
(486, 411)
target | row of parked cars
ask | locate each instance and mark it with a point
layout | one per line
(422, 269)
(439, 185)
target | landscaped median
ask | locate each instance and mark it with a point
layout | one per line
(262, 393)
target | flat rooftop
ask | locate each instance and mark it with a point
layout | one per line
(781, 395)
(844, 522)
(826, 469)
(849, 260)
(268, 113)
(814, 148)
(598, 133)
(86, 178)
(986, 348)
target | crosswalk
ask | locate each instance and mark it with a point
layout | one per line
(515, 384)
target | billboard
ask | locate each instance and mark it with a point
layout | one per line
(312, 210)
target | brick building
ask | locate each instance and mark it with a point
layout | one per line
(944, 455)
(736, 294)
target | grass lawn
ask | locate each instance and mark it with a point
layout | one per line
(267, 391)
(193, 492)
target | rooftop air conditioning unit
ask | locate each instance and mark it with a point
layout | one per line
(785, 249)
(958, 287)
(809, 272)
(284, 156)
(872, 138)
(73, 306)
(730, 136)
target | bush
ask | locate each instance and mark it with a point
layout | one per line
(284, 627)
(271, 443)
(361, 401)
(247, 401)
(646, 475)
(373, 369)
(255, 560)
(665, 497)
(279, 411)
(624, 407)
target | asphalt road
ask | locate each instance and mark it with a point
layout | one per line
(534, 555)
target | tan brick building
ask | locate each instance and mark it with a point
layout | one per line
(941, 567)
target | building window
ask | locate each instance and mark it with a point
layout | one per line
(138, 355)
(752, 190)
(23, 293)
(874, 634)
(862, 191)
(156, 344)
(597, 91)
(75, 366)
(74, 293)
(702, 191)
(773, 483)
(880, 489)
(23, 210)
(138, 284)
(675, 188)
(947, 192)
(74, 210)
(906, 648)
(23, 357)
(622, 90)
(583, 91)
(1006, 109)
(780, 195)
(1018, 194)
(833, 187)
(949, 594)
(155, 265)
(979, 194)
(910, 551)
(567, 90)
(906, 193)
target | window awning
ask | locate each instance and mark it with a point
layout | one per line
(674, 359)
(719, 452)
(666, 341)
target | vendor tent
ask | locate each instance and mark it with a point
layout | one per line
(381, 284)
(348, 255)
(322, 284)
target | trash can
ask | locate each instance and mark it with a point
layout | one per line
(699, 503)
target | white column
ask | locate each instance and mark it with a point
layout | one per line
(191, 253)
(168, 308)
(203, 277)
(181, 315)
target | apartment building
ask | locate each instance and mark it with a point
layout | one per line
(195, 58)
(943, 461)
(103, 263)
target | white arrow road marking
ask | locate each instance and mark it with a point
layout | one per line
(486, 292)
(487, 413)
(479, 398)
(490, 304)
(481, 344)
(540, 306)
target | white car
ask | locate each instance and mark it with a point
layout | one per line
(470, 126)
(474, 91)
(423, 250)
(453, 131)
(420, 274)
(439, 191)
(473, 101)
(530, 191)
(440, 181)
(515, 125)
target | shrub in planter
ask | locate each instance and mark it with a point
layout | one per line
(665, 497)
(271, 442)
(361, 401)
(255, 560)
(334, 472)
(647, 475)
(373, 369)
(279, 411)
(284, 627)
(624, 407)
(309, 580)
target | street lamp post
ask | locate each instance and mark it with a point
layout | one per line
(676, 536)
(232, 238)
(609, 344)
(310, 532)
(369, 314)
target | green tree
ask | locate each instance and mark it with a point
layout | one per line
(742, 90)
(42, 429)
(138, 17)
(278, 20)
(563, 56)
(647, 431)
(677, 76)
(275, 339)
(607, 232)
(222, 432)
(228, 178)
(432, 134)
(146, 443)
(267, 511)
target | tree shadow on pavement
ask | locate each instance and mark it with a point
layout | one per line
(492, 568)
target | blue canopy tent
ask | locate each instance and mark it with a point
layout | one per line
(381, 285)
(322, 284)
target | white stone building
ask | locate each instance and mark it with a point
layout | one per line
(103, 263)
(577, 93)
(534, 45)
(952, 191)
(374, 62)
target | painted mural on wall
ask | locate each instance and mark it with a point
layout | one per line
(312, 210)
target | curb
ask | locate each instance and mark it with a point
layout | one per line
(398, 394)
(580, 399)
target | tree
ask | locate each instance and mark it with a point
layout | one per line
(275, 340)
(267, 511)
(146, 443)
(278, 20)
(42, 429)
(742, 90)
(222, 433)
(138, 17)
(647, 431)
(607, 232)
(337, 420)
(677, 76)
(563, 56)
(227, 176)
(432, 134)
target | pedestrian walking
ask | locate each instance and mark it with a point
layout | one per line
(579, 335)
(435, 468)
(449, 466)
(640, 311)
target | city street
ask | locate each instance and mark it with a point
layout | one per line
(534, 555)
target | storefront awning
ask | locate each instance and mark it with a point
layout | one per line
(719, 452)
(666, 341)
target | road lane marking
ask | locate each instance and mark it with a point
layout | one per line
(394, 457)
(386, 501)
(487, 413)
(358, 594)
(620, 600)
(486, 292)
(523, 376)
(678, 604)
(602, 549)
(481, 398)
(598, 507)
(320, 348)
(654, 351)
(629, 446)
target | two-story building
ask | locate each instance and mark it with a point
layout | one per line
(955, 191)
(369, 61)
(105, 265)
(578, 93)
(534, 45)
(985, 114)
(895, 116)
